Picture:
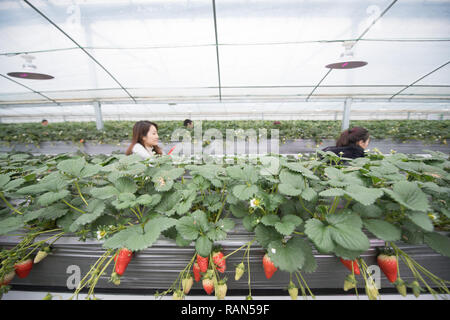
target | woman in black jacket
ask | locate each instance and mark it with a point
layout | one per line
(351, 143)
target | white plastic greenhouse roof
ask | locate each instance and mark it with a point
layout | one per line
(194, 51)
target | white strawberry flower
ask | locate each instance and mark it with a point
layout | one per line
(101, 234)
(254, 203)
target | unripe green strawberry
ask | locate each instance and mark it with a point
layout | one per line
(41, 255)
(178, 295)
(240, 269)
(401, 287)
(221, 289)
(115, 278)
(416, 288)
(293, 291)
(49, 296)
(350, 282)
(372, 291)
(187, 283)
(7, 278)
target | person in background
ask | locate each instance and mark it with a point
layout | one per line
(351, 143)
(145, 140)
(188, 123)
(44, 122)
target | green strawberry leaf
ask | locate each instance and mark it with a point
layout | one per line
(287, 256)
(298, 167)
(239, 211)
(270, 166)
(125, 185)
(345, 230)
(11, 224)
(186, 228)
(104, 193)
(345, 253)
(363, 195)
(421, 220)
(371, 211)
(51, 197)
(244, 192)
(4, 179)
(270, 220)
(383, 229)
(265, 235)
(332, 192)
(309, 194)
(137, 238)
(94, 210)
(320, 235)
(72, 167)
(203, 245)
(292, 184)
(438, 242)
(409, 195)
(288, 224)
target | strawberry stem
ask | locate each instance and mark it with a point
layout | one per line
(79, 192)
(74, 208)
(8, 204)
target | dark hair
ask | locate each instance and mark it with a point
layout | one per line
(44, 120)
(352, 136)
(187, 122)
(140, 129)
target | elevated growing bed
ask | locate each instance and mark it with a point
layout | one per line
(304, 212)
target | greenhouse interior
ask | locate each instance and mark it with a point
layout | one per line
(224, 150)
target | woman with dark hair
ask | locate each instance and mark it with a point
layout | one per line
(351, 143)
(145, 140)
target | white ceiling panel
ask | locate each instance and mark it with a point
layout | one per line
(187, 51)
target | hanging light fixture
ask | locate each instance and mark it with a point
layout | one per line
(28, 70)
(347, 58)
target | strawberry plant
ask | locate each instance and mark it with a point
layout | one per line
(290, 206)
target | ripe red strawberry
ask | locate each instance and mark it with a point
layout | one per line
(349, 263)
(208, 285)
(269, 267)
(122, 260)
(196, 270)
(388, 264)
(202, 263)
(23, 268)
(219, 261)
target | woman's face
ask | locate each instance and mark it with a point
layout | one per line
(151, 139)
(363, 144)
